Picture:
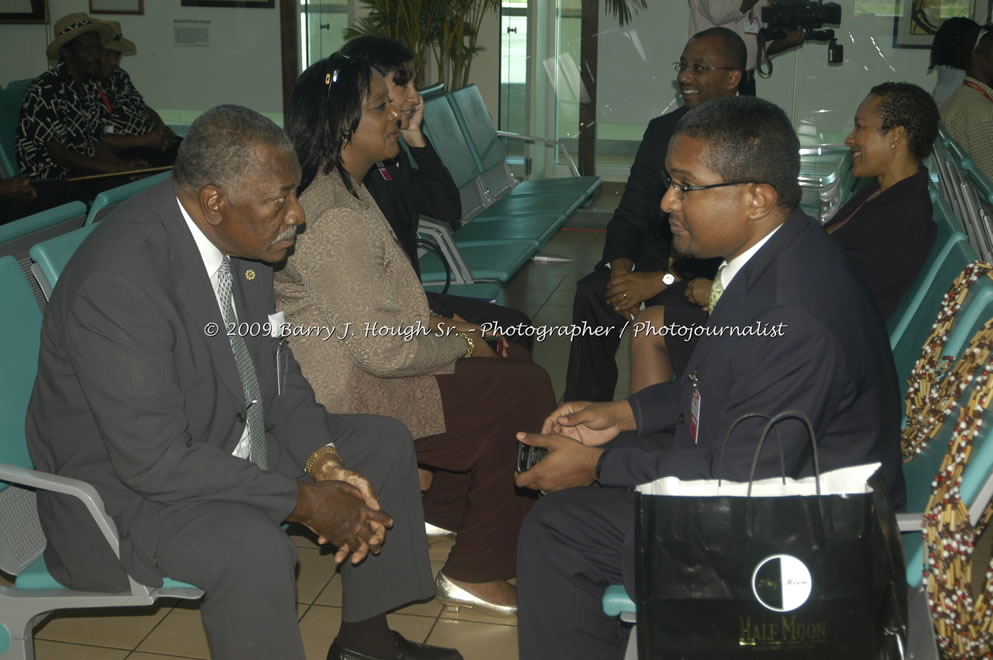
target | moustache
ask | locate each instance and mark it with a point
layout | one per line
(286, 235)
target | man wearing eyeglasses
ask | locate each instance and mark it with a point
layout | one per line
(792, 328)
(635, 267)
(744, 18)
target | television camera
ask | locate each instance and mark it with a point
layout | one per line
(810, 15)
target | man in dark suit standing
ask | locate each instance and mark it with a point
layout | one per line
(791, 328)
(634, 268)
(163, 381)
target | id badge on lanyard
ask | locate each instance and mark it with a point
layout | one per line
(752, 24)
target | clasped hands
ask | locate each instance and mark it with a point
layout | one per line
(573, 434)
(342, 508)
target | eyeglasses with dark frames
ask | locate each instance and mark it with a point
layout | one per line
(697, 69)
(683, 188)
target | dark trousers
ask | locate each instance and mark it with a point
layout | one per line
(246, 564)
(592, 374)
(480, 312)
(573, 545)
(486, 402)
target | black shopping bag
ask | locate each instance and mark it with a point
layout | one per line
(777, 568)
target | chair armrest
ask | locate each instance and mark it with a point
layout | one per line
(540, 140)
(81, 490)
(909, 522)
(442, 235)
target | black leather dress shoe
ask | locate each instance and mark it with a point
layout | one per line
(405, 650)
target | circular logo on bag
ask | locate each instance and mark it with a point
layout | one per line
(781, 583)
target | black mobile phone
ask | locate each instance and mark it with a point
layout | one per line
(528, 456)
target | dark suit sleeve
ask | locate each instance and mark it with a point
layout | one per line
(638, 218)
(804, 369)
(122, 348)
(434, 190)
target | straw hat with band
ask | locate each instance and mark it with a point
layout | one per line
(71, 26)
(118, 42)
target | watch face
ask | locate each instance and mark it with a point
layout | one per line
(668, 279)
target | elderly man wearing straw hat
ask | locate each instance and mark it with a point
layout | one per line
(60, 130)
(130, 127)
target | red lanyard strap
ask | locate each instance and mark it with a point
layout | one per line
(979, 89)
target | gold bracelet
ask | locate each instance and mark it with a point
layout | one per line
(469, 341)
(326, 450)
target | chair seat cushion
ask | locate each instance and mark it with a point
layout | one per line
(616, 600)
(36, 576)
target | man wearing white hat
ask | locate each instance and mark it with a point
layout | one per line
(130, 127)
(60, 130)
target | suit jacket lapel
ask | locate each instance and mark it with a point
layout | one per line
(729, 310)
(197, 295)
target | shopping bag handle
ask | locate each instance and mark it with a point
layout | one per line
(727, 436)
(787, 414)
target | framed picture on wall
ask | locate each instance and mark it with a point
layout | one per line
(117, 6)
(262, 4)
(23, 11)
(920, 19)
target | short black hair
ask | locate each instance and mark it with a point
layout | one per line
(905, 104)
(324, 111)
(221, 147)
(952, 42)
(385, 55)
(735, 52)
(749, 139)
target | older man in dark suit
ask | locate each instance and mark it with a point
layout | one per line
(164, 383)
(792, 328)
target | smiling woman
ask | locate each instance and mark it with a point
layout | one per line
(886, 228)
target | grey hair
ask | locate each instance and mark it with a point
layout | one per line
(221, 148)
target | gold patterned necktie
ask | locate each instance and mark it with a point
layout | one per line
(716, 289)
(249, 382)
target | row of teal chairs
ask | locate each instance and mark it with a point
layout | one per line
(504, 221)
(42, 243)
(967, 190)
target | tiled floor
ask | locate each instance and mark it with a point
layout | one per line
(171, 630)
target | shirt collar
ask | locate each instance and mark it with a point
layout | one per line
(209, 253)
(731, 268)
(989, 90)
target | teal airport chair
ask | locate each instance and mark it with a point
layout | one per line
(17, 237)
(478, 254)
(10, 110)
(49, 258)
(22, 541)
(946, 259)
(491, 156)
(105, 202)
